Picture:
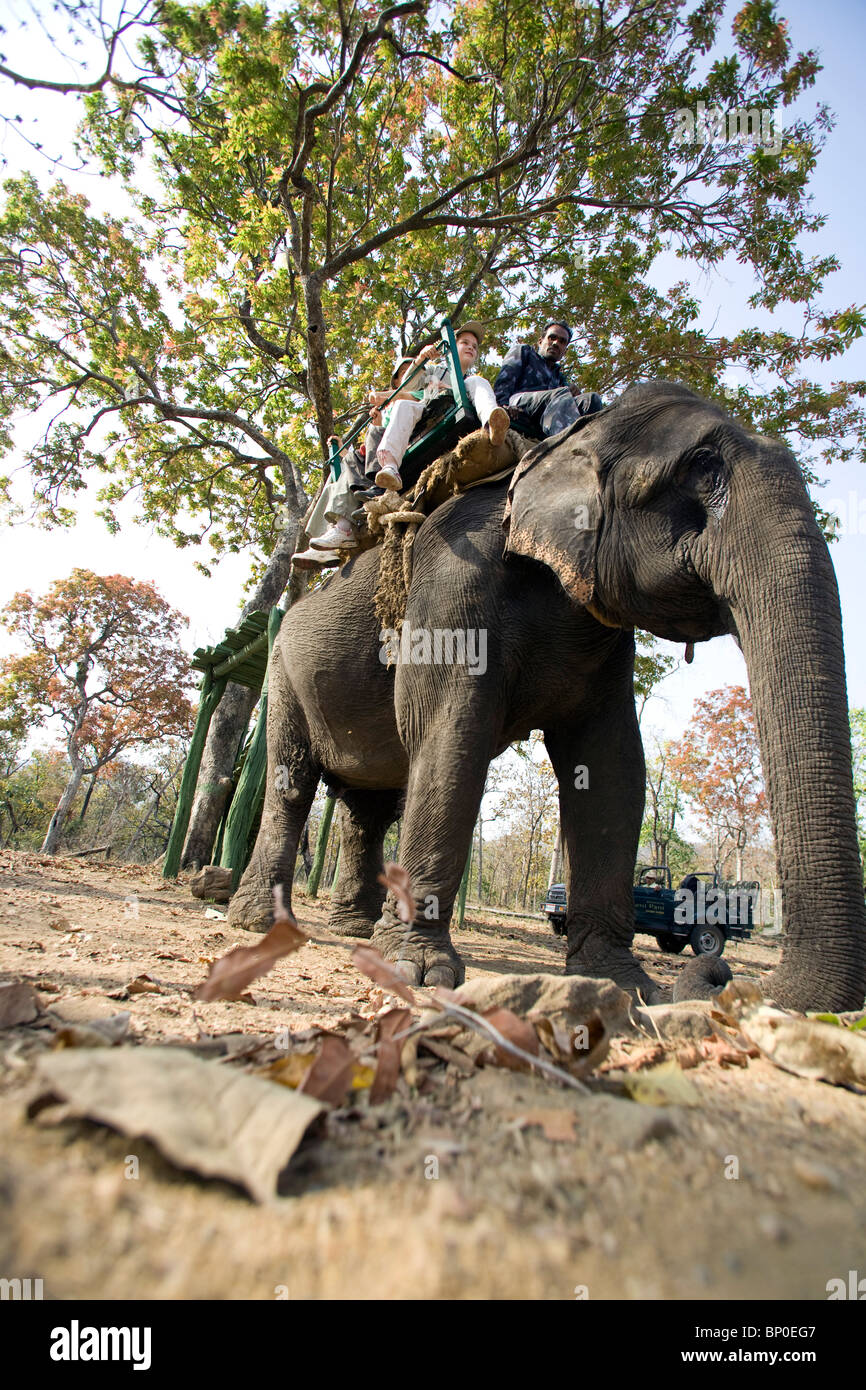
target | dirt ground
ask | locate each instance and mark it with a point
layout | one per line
(639, 1204)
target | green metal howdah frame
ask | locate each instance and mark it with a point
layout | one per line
(460, 418)
(244, 652)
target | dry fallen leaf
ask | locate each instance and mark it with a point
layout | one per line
(373, 964)
(446, 1053)
(515, 1030)
(18, 1003)
(203, 1116)
(143, 984)
(398, 881)
(557, 1125)
(716, 1049)
(820, 1051)
(689, 1056)
(388, 1052)
(329, 1079)
(409, 1061)
(231, 973)
(663, 1085)
(581, 1049)
(648, 1056)
(94, 1032)
(739, 996)
(289, 1071)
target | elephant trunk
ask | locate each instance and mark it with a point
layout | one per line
(788, 622)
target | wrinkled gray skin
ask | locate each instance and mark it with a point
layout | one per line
(659, 513)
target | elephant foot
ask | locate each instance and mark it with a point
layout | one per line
(423, 955)
(252, 908)
(619, 966)
(351, 924)
(795, 986)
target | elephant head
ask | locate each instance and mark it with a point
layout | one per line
(662, 513)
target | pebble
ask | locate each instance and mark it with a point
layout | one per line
(773, 1227)
(816, 1175)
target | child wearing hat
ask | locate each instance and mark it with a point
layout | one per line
(405, 411)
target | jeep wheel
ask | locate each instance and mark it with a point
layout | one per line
(707, 941)
(670, 943)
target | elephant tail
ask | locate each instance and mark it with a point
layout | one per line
(702, 978)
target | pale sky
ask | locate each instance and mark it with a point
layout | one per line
(32, 558)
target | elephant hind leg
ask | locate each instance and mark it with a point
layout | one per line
(293, 777)
(357, 896)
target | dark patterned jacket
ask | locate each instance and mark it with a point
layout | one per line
(524, 369)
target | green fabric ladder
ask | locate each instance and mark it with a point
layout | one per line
(242, 656)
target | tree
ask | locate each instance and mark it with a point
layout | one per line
(664, 808)
(309, 190)
(529, 800)
(104, 659)
(719, 766)
(650, 669)
(29, 789)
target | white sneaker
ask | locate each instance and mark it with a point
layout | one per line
(315, 559)
(389, 478)
(498, 425)
(337, 537)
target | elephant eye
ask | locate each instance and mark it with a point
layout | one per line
(704, 458)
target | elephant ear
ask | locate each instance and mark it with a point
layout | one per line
(554, 513)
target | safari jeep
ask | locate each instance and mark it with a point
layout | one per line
(556, 907)
(704, 915)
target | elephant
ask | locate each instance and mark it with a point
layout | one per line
(660, 512)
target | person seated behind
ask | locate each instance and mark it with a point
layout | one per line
(406, 412)
(379, 418)
(534, 390)
(328, 525)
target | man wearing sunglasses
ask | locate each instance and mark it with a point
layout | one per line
(533, 388)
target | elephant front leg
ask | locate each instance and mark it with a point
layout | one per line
(600, 768)
(442, 801)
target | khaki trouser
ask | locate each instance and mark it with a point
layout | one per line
(406, 414)
(335, 500)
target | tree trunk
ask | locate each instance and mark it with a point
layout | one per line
(318, 377)
(315, 873)
(231, 719)
(556, 859)
(58, 820)
(87, 797)
(304, 849)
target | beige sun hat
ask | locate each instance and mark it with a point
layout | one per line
(403, 362)
(473, 326)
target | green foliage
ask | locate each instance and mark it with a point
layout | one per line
(131, 806)
(650, 667)
(30, 788)
(310, 189)
(681, 857)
